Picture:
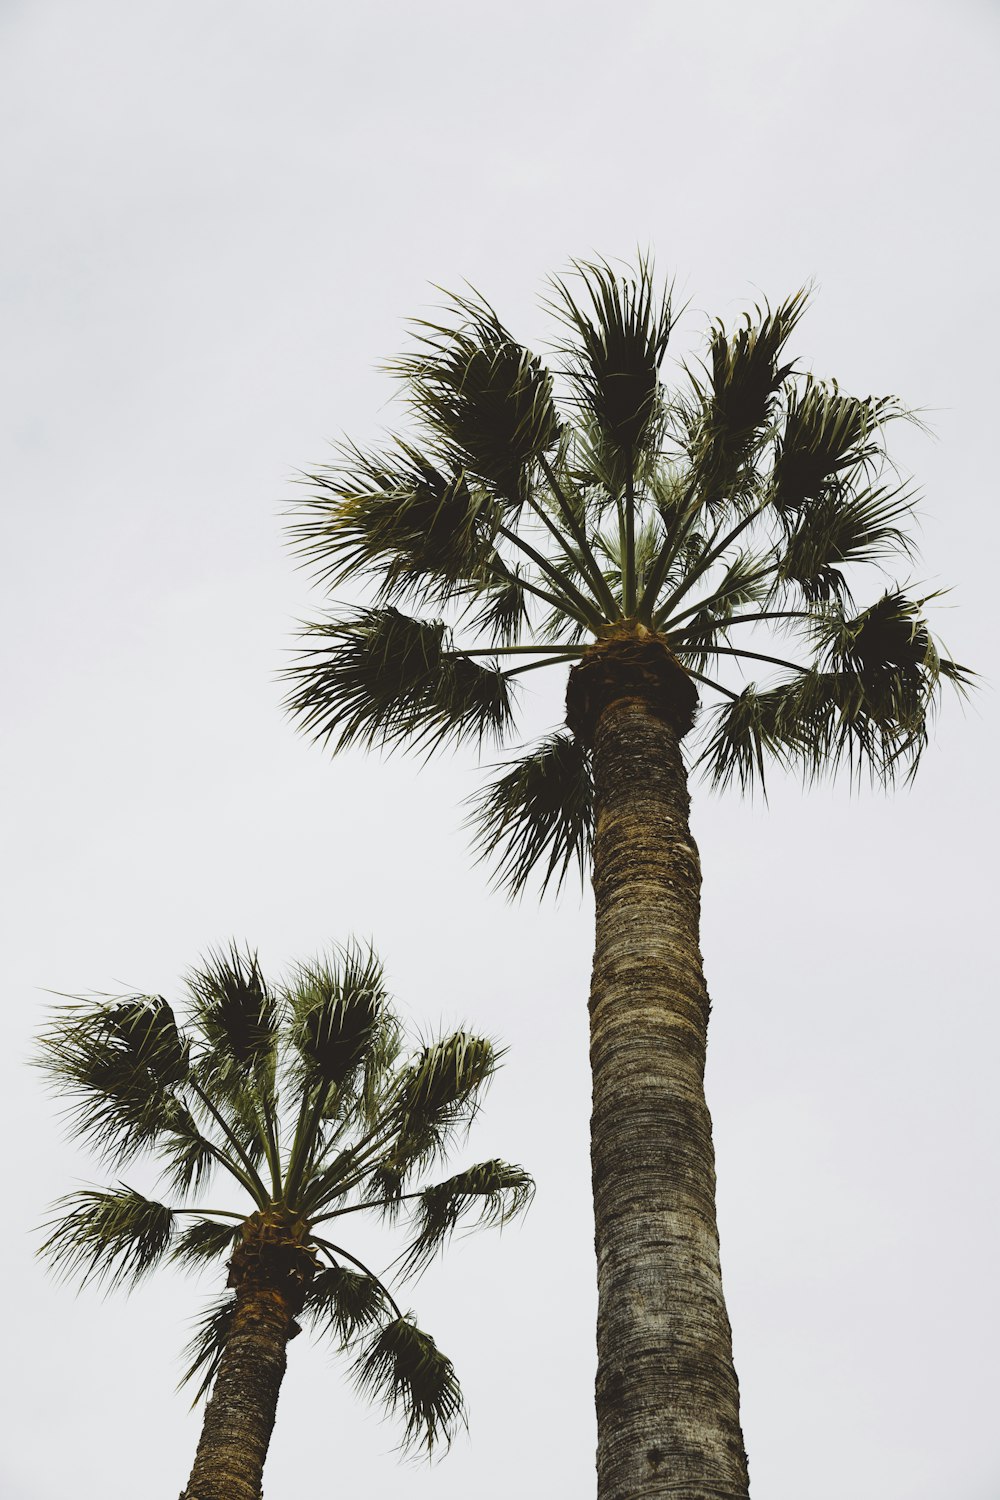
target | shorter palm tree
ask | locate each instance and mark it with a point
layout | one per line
(303, 1097)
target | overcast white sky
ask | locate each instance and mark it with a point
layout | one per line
(217, 217)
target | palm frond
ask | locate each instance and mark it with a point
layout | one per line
(408, 1372)
(734, 405)
(484, 397)
(841, 529)
(619, 331)
(496, 1189)
(746, 578)
(344, 1302)
(205, 1240)
(118, 1064)
(338, 1007)
(748, 731)
(115, 1237)
(208, 1344)
(444, 1081)
(500, 612)
(400, 516)
(380, 677)
(235, 1012)
(187, 1154)
(434, 1095)
(863, 705)
(537, 814)
(827, 439)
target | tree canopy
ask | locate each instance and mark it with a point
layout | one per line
(304, 1100)
(533, 510)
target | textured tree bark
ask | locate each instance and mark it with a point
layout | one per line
(270, 1273)
(239, 1417)
(667, 1395)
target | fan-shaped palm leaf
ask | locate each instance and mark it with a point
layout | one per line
(497, 1191)
(116, 1237)
(538, 815)
(408, 1372)
(382, 677)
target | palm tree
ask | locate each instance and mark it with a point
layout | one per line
(659, 544)
(302, 1097)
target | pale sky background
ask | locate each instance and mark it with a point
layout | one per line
(218, 216)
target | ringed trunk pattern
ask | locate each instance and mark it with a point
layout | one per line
(270, 1272)
(667, 1396)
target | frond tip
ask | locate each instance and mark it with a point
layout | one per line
(380, 677)
(407, 1370)
(538, 813)
(496, 1189)
(208, 1344)
(344, 1302)
(863, 704)
(485, 398)
(114, 1237)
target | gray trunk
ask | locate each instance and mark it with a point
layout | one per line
(239, 1417)
(667, 1395)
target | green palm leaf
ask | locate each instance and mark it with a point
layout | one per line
(407, 1370)
(497, 1191)
(863, 705)
(234, 1011)
(203, 1241)
(826, 441)
(537, 815)
(116, 1237)
(401, 516)
(118, 1064)
(836, 531)
(620, 328)
(381, 677)
(336, 1007)
(344, 1302)
(433, 1096)
(208, 1344)
(487, 400)
(733, 407)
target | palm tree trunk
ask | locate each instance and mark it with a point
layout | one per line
(271, 1272)
(667, 1395)
(239, 1417)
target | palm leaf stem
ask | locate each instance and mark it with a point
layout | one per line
(302, 1143)
(356, 1208)
(271, 1150)
(708, 558)
(573, 557)
(249, 1178)
(585, 611)
(775, 661)
(770, 614)
(543, 594)
(516, 651)
(628, 551)
(667, 555)
(335, 1250)
(596, 577)
(329, 1186)
(549, 661)
(220, 1213)
(708, 681)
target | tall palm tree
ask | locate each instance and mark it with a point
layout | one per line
(302, 1098)
(660, 544)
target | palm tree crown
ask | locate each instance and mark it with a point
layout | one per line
(302, 1098)
(535, 516)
